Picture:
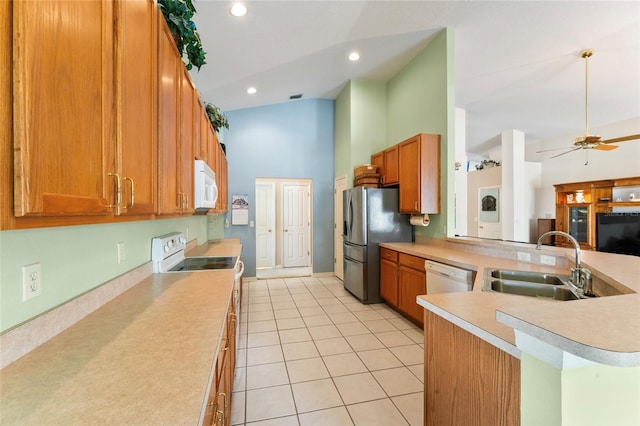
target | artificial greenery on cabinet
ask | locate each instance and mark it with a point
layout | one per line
(178, 15)
(216, 117)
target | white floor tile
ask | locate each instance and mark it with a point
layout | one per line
(286, 313)
(418, 371)
(409, 355)
(299, 350)
(352, 328)
(333, 346)
(398, 381)
(359, 388)
(240, 379)
(394, 338)
(289, 323)
(324, 332)
(379, 326)
(303, 370)
(316, 395)
(280, 421)
(266, 375)
(412, 407)
(237, 408)
(344, 364)
(260, 316)
(381, 412)
(294, 335)
(262, 339)
(364, 342)
(316, 320)
(379, 359)
(264, 355)
(261, 326)
(270, 402)
(343, 317)
(338, 416)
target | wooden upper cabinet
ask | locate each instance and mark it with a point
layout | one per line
(136, 97)
(169, 62)
(387, 162)
(222, 205)
(391, 166)
(63, 108)
(419, 161)
(186, 146)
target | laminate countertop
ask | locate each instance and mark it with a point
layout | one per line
(144, 357)
(604, 329)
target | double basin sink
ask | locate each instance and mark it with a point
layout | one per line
(526, 283)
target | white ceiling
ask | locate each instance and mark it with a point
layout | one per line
(517, 62)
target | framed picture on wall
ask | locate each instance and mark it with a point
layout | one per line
(489, 204)
(239, 209)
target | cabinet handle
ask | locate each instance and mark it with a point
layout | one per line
(415, 206)
(223, 413)
(132, 200)
(118, 197)
(186, 206)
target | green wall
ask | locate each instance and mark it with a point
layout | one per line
(371, 116)
(76, 259)
(421, 99)
(360, 125)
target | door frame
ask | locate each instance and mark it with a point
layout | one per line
(339, 185)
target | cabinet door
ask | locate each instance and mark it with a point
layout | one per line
(391, 166)
(389, 281)
(412, 283)
(377, 159)
(185, 167)
(169, 63)
(63, 107)
(137, 98)
(419, 161)
(409, 197)
(221, 181)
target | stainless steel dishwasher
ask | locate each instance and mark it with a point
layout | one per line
(443, 278)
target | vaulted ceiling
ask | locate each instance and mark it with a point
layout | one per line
(517, 62)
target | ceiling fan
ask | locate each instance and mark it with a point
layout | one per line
(587, 141)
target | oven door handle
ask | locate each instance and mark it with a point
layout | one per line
(239, 273)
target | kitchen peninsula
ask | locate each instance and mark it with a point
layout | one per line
(533, 334)
(148, 355)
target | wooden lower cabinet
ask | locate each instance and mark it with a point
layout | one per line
(218, 411)
(412, 283)
(467, 380)
(402, 279)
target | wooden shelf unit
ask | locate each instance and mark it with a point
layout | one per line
(578, 203)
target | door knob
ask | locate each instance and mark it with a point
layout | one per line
(286, 230)
(269, 230)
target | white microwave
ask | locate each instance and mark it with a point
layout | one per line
(205, 188)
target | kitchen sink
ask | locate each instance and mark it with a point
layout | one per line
(527, 283)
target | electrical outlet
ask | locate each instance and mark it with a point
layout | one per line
(31, 281)
(547, 260)
(121, 252)
(523, 255)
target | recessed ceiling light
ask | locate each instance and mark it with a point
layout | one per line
(238, 9)
(354, 56)
(251, 90)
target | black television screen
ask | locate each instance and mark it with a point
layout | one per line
(618, 233)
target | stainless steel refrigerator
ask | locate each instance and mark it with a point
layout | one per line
(370, 217)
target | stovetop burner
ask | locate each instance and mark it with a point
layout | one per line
(205, 263)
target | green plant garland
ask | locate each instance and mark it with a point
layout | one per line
(178, 14)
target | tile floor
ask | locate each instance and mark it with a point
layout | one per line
(311, 354)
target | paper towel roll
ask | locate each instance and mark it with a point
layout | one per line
(419, 220)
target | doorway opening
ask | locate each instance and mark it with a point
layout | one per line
(283, 228)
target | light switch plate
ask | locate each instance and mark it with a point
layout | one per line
(523, 255)
(547, 260)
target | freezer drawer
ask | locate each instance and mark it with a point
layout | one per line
(357, 253)
(355, 278)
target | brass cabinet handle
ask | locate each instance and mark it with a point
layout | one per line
(118, 197)
(186, 206)
(415, 204)
(132, 199)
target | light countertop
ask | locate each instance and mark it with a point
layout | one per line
(604, 329)
(146, 356)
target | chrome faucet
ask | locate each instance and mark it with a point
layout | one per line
(580, 277)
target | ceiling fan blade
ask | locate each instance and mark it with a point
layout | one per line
(552, 149)
(605, 147)
(622, 139)
(566, 152)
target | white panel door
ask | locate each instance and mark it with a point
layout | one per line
(295, 224)
(265, 225)
(339, 186)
